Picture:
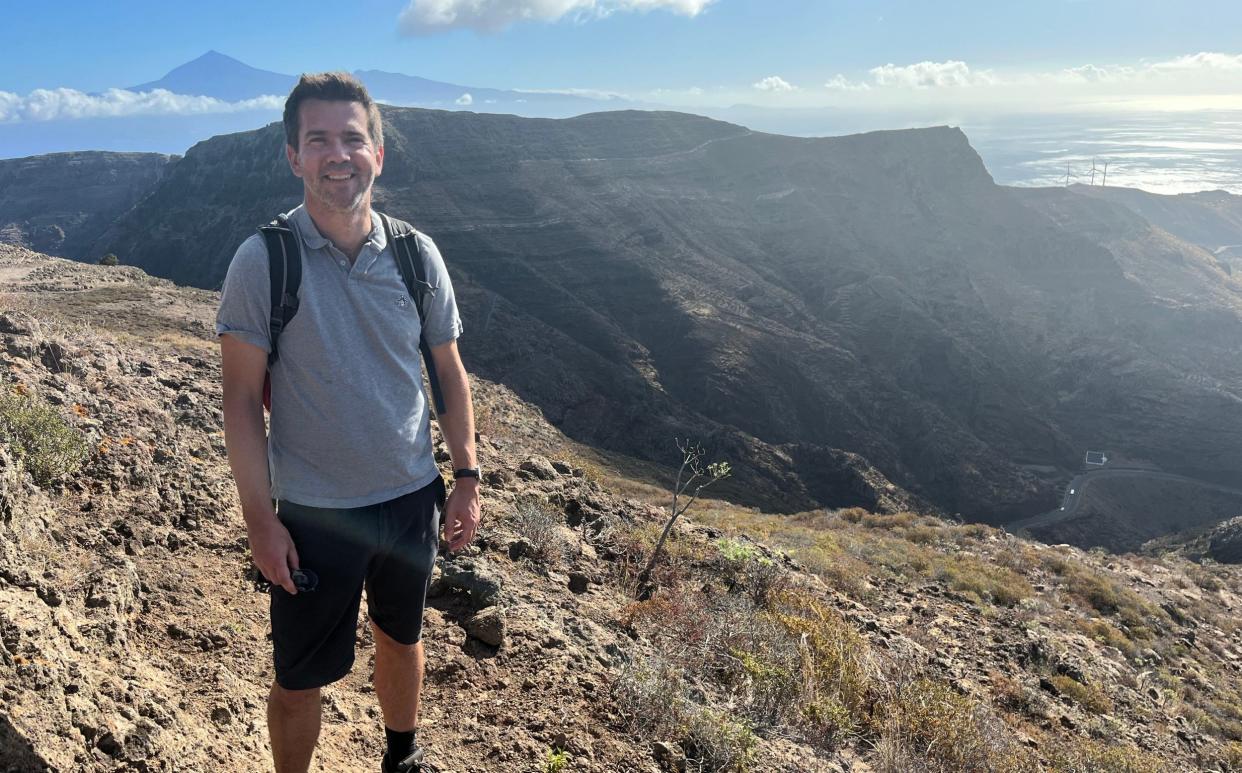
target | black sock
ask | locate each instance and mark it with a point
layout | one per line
(400, 745)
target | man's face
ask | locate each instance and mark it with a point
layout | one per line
(335, 158)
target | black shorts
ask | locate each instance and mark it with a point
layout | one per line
(389, 547)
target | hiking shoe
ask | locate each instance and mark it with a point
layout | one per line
(415, 763)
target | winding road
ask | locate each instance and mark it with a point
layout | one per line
(1078, 486)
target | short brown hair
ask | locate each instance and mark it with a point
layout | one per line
(332, 87)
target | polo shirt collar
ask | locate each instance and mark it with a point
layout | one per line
(317, 241)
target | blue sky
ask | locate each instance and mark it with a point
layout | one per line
(728, 46)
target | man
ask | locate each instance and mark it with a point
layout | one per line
(349, 460)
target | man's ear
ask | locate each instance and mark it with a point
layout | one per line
(379, 160)
(294, 162)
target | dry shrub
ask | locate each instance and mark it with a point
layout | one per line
(796, 668)
(632, 544)
(1141, 618)
(541, 527)
(1231, 756)
(882, 521)
(838, 666)
(714, 743)
(1106, 633)
(853, 514)
(649, 694)
(1088, 696)
(746, 570)
(922, 535)
(970, 531)
(1012, 696)
(986, 581)
(1205, 579)
(929, 727)
(1083, 755)
(841, 570)
(653, 700)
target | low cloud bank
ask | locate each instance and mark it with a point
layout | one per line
(60, 104)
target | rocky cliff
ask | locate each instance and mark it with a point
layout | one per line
(60, 203)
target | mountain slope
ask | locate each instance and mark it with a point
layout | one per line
(830, 641)
(60, 203)
(874, 293)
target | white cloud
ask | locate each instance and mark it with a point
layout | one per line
(931, 75)
(1184, 72)
(465, 100)
(424, 17)
(775, 84)
(54, 104)
(1204, 60)
(840, 83)
(592, 93)
(1090, 73)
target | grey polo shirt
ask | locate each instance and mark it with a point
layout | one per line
(349, 423)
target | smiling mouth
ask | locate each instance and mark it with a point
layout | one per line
(338, 177)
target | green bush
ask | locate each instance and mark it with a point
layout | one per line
(108, 260)
(45, 444)
(555, 761)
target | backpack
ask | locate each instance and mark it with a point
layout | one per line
(284, 259)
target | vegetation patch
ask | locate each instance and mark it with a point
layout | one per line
(46, 445)
(535, 522)
(930, 727)
(1083, 755)
(1088, 696)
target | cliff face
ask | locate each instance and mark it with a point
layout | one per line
(60, 203)
(639, 275)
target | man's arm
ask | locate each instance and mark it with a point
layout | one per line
(244, 367)
(461, 511)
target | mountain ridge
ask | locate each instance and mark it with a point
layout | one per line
(813, 303)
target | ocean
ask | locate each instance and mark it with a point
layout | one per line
(1176, 152)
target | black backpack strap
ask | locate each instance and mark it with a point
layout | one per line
(410, 262)
(284, 264)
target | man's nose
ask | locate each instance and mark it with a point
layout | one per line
(337, 150)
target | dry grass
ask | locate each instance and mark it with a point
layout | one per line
(1081, 755)
(930, 727)
(540, 526)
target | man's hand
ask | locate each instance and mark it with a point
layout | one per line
(273, 552)
(461, 513)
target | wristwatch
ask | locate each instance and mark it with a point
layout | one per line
(466, 472)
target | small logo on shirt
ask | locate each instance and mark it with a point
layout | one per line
(402, 301)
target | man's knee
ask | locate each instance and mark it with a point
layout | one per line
(293, 700)
(389, 644)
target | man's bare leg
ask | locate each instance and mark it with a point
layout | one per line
(398, 680)
(293, 724)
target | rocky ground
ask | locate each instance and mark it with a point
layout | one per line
(130, 638)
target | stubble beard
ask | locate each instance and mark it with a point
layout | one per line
(338, 200)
